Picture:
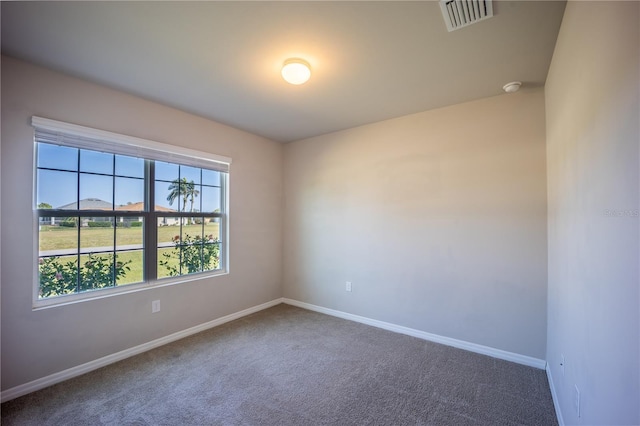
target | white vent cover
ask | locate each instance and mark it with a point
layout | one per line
(461, 13)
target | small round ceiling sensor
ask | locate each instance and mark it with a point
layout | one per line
(512, 87)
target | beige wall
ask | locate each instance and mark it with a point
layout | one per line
(38, 343)
(438, 219)
(593, 136)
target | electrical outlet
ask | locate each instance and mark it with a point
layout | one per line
(562, 364)
(348, 286)
(155, 306)
(576, 400)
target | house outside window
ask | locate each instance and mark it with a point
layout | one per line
(116, 212)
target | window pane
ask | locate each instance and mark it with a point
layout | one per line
(129, 194)
(96, 234)
(193, 198)
(96, 192)
(129, 263)
(191, 229)
(129, 166)
(191, 246)
(96, 271)
(168, 229)
(168, 262)
(129, 267)
(168, 196)
(191, 174)
(210, 177)
(57, 157)
(211, 199)
(58, 189)
(129, 233)
(166, 171)
(210, 256)
(57, 275)
(211, 248)
(59, 238)
(191, 258)
(183, 192)
(96, 162)
(168, 247)
(212, 229)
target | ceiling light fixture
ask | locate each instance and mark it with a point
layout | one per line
(296, 71)
(512, 87)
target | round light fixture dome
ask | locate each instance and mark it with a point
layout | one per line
(296, 71)
(512, 87)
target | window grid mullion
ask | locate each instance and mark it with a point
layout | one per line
(181, 251)
(151, 225)
(202, 230)
(79, 275)
(115, 223)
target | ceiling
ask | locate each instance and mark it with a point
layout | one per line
(370, 60)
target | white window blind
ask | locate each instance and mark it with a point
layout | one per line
(61, 133)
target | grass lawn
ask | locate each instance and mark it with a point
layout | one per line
(59, 238)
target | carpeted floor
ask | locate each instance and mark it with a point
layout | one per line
(290, 366)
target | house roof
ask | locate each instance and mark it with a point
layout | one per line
(98, 204)
(88, 204)
(139, 206)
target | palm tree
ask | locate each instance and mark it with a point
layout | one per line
(192, 193)
(178, 188)
(184, 189)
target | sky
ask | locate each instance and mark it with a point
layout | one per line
(60, 167)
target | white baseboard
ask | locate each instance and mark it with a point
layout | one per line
(461, 344)
(61, 376)
(69, 373)
(554, 396)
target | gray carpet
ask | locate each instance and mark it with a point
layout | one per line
(290, 366)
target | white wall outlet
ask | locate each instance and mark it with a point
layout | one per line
(576, 400)
(155, 306)
(348, 286)
(562, 364)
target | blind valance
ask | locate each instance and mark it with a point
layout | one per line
(61, 133)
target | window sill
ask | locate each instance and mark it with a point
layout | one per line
(71, 299)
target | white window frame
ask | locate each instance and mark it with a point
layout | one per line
(67, 134)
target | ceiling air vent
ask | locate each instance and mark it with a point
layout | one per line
(462, 13)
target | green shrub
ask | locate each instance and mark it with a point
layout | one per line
(133, 224)
(95, 224)
(97, 271)
(195, 254)
(70, 222)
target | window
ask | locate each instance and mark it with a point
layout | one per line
(116, 211)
